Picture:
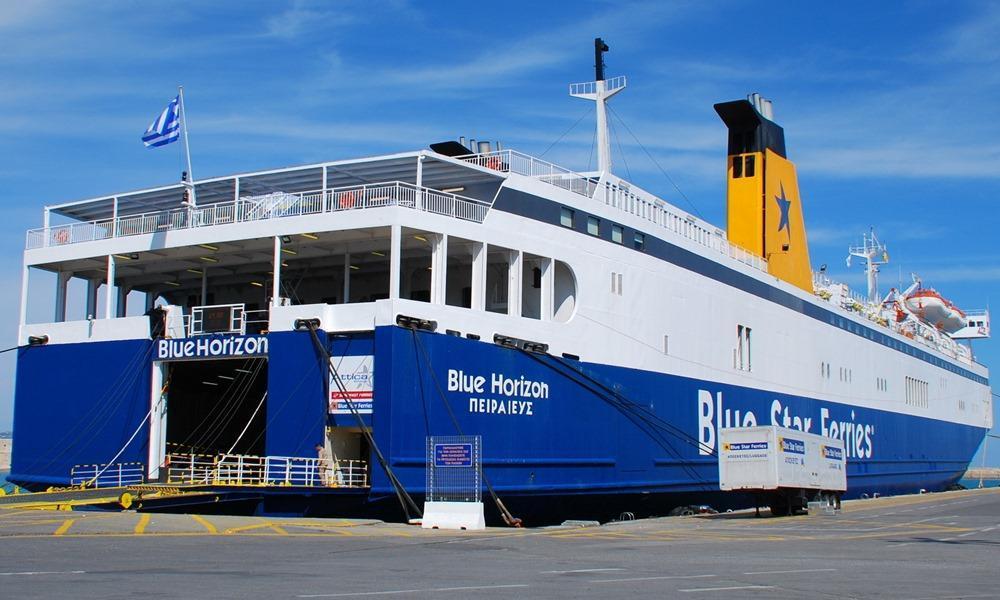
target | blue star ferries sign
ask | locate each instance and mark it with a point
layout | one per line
(783, 205)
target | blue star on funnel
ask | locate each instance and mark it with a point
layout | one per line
(783, 205)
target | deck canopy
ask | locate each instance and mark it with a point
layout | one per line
(439, 172)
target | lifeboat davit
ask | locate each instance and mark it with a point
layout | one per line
(936, 310)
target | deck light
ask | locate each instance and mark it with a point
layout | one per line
(209, 247)
(257, 283)
(287, 251)
(420, 237)
(195, 271)
(355, 267)
(311, 236)
(452, 190)
(242, 370)
(132, 256)
(173, 283)
(209, 383)
(227, 377)
(210, 259)
(377, 253)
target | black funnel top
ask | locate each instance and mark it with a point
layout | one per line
(749, 131)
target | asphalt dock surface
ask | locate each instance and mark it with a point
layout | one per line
(932, 546)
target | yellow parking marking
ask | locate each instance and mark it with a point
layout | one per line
(140, 527)
(277, 529)
(204, 523)
(246, 528)
(64, 527)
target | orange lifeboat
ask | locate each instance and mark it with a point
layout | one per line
(936, 310)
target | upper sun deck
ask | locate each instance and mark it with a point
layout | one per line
(420, 180)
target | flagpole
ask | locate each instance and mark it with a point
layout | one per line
(187, 147)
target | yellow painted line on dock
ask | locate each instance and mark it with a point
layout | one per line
(204, 523)
(140, 527)
(64, 527)
(277, 529)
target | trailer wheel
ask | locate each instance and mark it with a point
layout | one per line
(779, 506)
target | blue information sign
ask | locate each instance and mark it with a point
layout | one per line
(452, 455)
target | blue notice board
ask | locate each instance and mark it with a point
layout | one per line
(452, 455)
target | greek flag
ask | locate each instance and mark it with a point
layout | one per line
(165, 128)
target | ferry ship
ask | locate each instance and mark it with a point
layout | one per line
(595, 336)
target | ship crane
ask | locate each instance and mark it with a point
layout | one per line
(874, 254)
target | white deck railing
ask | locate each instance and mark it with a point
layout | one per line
(113, 475)
(617, 195)
(511, 161)
(264, 207)
(244, 470)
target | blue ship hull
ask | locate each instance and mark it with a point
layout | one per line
(561, 438)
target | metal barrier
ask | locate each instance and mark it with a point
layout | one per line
(246, 470)
(113, 475)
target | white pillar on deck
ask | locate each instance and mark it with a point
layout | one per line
(62, 284)
(276, 269)
(439, 269)
(547, 265)
(515, 274)
(111, 291)
(420, 181)
(24, 295)
(395, 260)
(479, 276)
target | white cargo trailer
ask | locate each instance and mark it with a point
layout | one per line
(786, 467)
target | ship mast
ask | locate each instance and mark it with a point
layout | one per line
(875, 254)
(600, 90)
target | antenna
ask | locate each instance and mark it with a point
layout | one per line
(874, 254)
(600, 91)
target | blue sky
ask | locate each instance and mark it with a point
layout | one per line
(890, 109)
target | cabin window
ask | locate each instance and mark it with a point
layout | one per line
(639, 241)
(748, 169)
(617, 234)
(458, 287)
(531, 286)
(593, 226)
(737, 167)
(497, 278)
(566, 217)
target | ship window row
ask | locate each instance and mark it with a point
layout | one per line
(898, 345)
(691, 230)
(616, 233)
(917, 392)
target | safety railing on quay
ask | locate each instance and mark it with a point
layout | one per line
(246, 470)
(108, 475)
(265, 207)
